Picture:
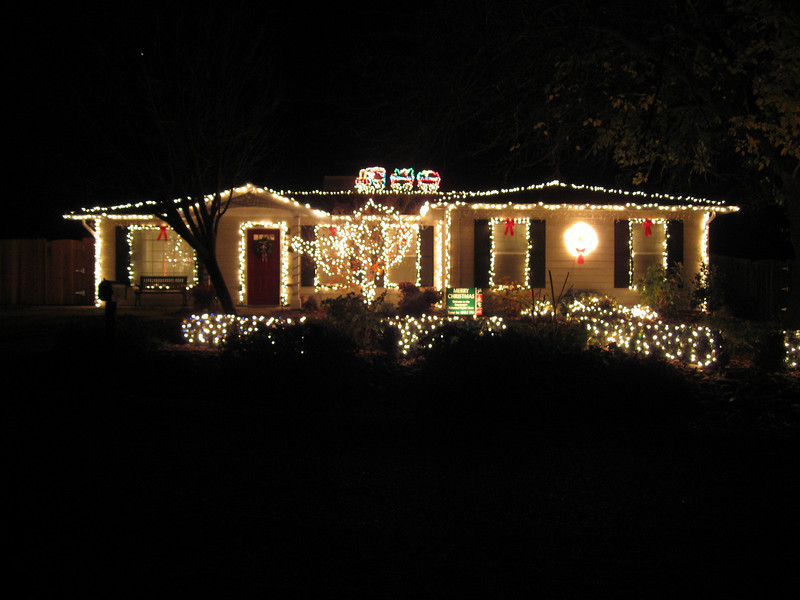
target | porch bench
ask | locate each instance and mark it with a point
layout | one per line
(157, 284)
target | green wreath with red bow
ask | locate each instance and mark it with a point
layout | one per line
(263, 248)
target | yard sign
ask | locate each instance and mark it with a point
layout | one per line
(464, 301)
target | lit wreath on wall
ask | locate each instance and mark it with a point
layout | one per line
(581, 240)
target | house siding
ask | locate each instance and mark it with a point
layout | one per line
(456, 246)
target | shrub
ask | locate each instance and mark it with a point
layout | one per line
(308, 354)
(453, 334)
(304, 341)
(531, 371)
(360, 321)
(554, 336)
(311, 304)
(507, 302)
(770, 351)
(660, 288)
(203, 296)
(415, 302)
(708, 288)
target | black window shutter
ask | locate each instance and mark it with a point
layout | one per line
(307, 265)
(674, 243)
(622, 254)
(537, 260)
(426, 256)
(483, 250)
(122, 255)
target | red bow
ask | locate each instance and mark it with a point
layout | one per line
(580, 252)
(648, 227)
(509, 226)
(332, 231)
(162, 233)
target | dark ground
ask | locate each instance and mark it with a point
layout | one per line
(156, 473)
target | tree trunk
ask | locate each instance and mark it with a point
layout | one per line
(218, 281)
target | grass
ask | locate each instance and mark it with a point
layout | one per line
(500, 470)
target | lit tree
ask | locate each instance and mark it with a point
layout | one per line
(359, 248)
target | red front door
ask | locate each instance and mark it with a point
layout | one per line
(263, 267)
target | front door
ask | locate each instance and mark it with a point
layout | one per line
(263, 267)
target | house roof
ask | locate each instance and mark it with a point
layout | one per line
(556, 194)
(551, 195)
(246, 195)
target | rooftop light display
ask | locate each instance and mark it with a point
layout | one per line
(402, 180)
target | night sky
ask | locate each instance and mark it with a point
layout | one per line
(63, 162)
(64, 157)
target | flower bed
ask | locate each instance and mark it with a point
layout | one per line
(635, 329)
(640, 330)
(413, 329)
(213, 329)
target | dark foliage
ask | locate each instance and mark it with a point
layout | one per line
(203, 296)
(362, 322)
(294, 346)
(415, 302)
(543, 372)
(770, 352)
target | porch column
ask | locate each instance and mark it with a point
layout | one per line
(294, 269)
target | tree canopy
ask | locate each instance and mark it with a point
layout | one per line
(678, 96)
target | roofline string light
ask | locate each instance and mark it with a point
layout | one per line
(684, 202)
(680, 203)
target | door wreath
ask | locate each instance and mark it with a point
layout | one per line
(262, 248)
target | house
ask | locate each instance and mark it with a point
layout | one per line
(277, 249)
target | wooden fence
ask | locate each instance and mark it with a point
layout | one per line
(755, 289)
(38, 271)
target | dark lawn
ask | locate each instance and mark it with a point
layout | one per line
(159, 478)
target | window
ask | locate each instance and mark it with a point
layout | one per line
(407, 268)
(648, 245)
(159, 251)
(509, 252)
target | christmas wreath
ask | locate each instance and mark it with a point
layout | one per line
(263, 248)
